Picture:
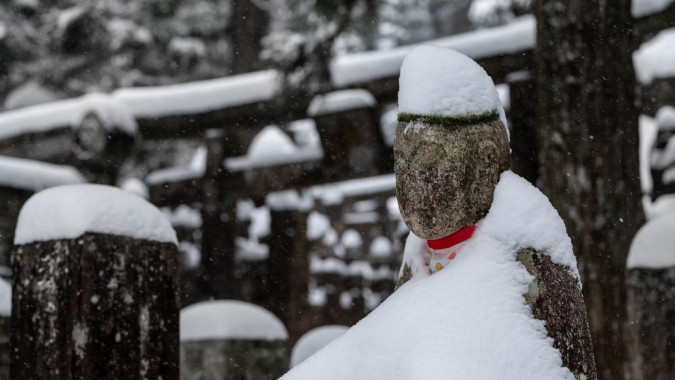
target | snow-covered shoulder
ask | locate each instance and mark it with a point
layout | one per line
(469, 320)
(229, 319)
(67, 212)
(653, 243)
(522, 217)
(441, 81)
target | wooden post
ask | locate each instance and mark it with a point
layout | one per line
(95, 287)
(650, 288)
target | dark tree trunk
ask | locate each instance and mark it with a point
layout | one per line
(249, 25)
(219, 216)
(588, 140)
(522, 117)
(651, 316)
(95, 307)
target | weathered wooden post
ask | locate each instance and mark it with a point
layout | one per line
(95, 291)
(231, 340)
(651, 300)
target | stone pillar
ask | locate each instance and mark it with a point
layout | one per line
(95, 290)
(650, 292)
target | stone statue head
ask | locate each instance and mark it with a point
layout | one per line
(451, 142)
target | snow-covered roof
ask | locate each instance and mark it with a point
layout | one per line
(356, 187)
(67, 113)
(340, 101)
(272, 147)
(28, 94)
(194, 170)
(314, 340)
(19, 173)
(469, 319)
(653, 60)
(517, 36)
(229, 320)
(653, 244)
(642, 8)
(5, 298)
(440, 81)
(288, 200)
(200, 96)
(67, 212)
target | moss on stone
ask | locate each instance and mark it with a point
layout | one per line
(449, 121)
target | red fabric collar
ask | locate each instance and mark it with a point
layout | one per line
(458, 237)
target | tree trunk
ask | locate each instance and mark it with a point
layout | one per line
(588, 140)
(651, 311)
(95, 307)
(249, 25)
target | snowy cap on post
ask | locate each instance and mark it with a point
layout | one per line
(441, 81)
(451, 142)
(68, 212)
(653, 244)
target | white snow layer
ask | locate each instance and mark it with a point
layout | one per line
(653, 244)
(381, 247)
(135, 186)
(19, 173)
(28, 94)
(440, 81)
(194, 170)
(318, 225)
(648, 130)
(229, 320)
(314, 340)
(5, 298)
(339, 101)
(67, 113)
(642, 8)
(468, 321)
(201, 96)
(514, 37)
(653, 60)
(67, 212)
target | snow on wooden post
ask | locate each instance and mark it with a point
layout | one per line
(231, 340)
(350, 135)
(651, 300)
(95, 291)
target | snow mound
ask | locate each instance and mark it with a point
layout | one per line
(135, 186)
(29, 94)
(340, 101)
(653, 244)
(19, 173)
(318, 225)
(271, 141)
(314, 340)
(665, 118)
(381, 247)
(67, 113)
(67, 212)
(653, 60)
(229, 319)
(5, 298)
(351, 239)
(642, 8)
(468, 321)
(441, 81)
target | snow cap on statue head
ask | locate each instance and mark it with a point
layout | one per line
(451, 142)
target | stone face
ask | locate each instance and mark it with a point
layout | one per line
(98, 306)
(446, 171)
(555, 298)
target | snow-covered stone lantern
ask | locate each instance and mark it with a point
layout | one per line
(227, 340)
